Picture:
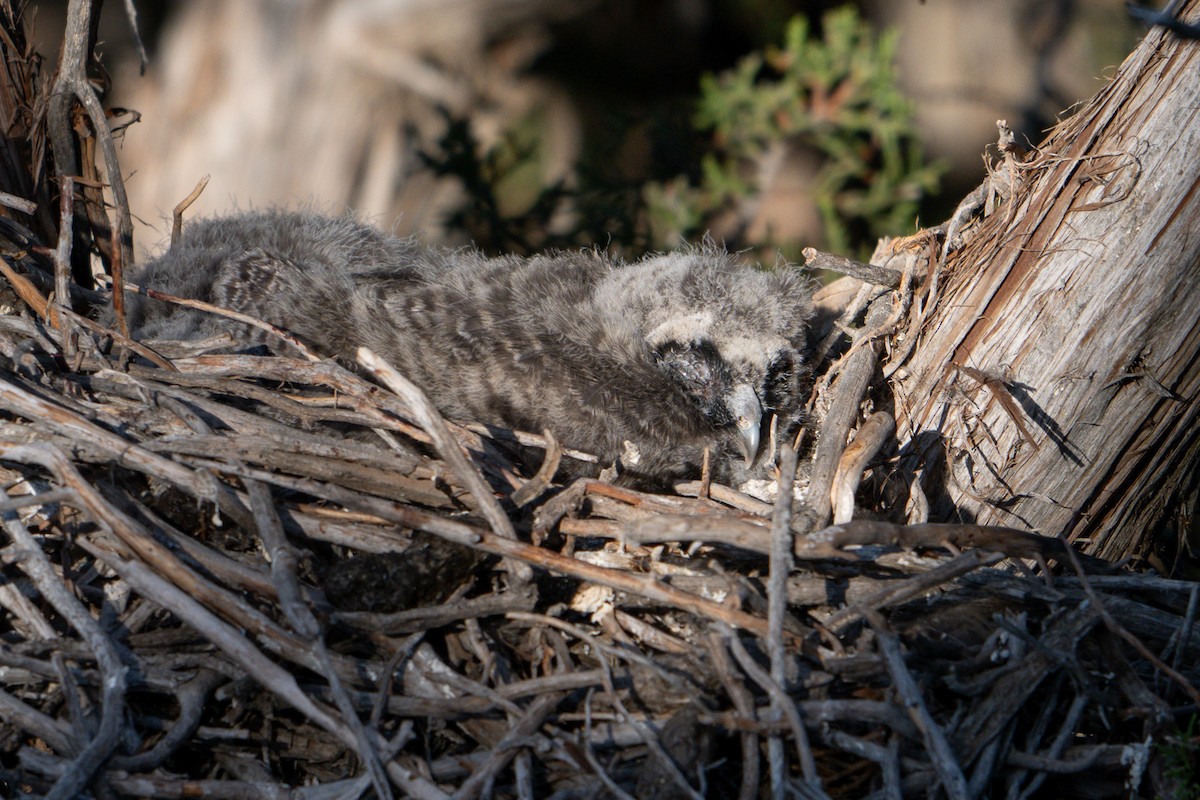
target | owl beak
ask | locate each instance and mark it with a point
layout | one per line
(747, 411)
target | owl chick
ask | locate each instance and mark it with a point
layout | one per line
(663, 357)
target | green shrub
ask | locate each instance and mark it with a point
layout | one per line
(835, 96)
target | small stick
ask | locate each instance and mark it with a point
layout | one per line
(225, 312)
(177, 214)
(847, 395)
(744, 703)
(872, 435)
(871, 273)
(954, 784)
(665, 527)
(17, 203)
(918, 503)
(915, 586)
(776, 692)
(1014, 543)
(504, 750)
(448, 448)
(71, 85)
(1185, 629)
(1117, 629)
(780, 560)
(192, 698)
(107, 736)
(539, 483)
(117, 263)
(29, 293)
(62, 261)
(131, 15)
(123, 340)
(649, 737)
(223, 635)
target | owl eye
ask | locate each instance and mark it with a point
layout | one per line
(698, 369)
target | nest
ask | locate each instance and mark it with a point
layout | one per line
(233, 575)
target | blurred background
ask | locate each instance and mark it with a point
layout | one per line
(517, 125)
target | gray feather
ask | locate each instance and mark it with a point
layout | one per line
(599, 352)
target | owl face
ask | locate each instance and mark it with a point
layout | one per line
(705, 377)
(738, 383)
(727, 336)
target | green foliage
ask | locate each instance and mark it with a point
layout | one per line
(834, 96)
(837, 96)
(1181, 760)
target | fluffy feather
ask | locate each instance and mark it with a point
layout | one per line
(665, 353)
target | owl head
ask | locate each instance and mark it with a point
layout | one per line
(730, 337)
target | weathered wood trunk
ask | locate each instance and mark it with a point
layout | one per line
(1080, 299)
(330, 103)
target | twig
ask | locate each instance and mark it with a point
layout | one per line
(56, 735)
(184, 204)
(72, 85)
(953, 782)
(590, 756)
(192, 698)
(539, 483)
(433, 424)
(649, 738)
(30, 294)
(131, 15)
(780, 698)
(1066, 731)
(506, 748)
(265, 671)
(123, 340)
(1118, 630)
(223, 635)
(657, 528)
(62, 262)
(1166, 18)
(200, 305)
(916, 586)
(122, 451)
(843, 411)
(873, 435)
(744, 704)
(518, 598)
(888, 758)
(17, 203)
(1183, 636)
(871, 273)
(917, 510)
(780, 567)
(112, 713)
(283, 576)
(1004, 396)
(828, 543)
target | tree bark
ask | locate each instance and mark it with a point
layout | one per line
(1054, 383)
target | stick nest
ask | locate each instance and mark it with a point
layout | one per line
(245, 574)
